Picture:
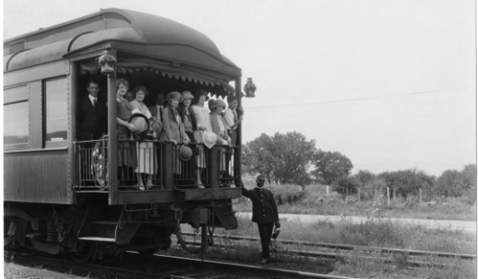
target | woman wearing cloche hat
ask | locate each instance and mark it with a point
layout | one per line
(219, 127)
(201, 123)
(187, 116)
(218, 123)
(146, 159)
(186, 113)
(173, 128)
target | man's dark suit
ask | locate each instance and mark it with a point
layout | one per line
(264, 213)
(91, 122)
(154, 112)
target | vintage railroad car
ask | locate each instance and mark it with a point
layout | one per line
(54, 200)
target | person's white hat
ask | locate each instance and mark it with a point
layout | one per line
(209, 139)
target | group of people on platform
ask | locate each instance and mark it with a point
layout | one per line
(180, 118)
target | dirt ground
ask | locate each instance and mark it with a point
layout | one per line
(17, 271)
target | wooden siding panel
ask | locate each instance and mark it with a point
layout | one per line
(36, 176)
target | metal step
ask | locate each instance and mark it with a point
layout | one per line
(97, 238)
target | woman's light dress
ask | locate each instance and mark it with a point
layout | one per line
(147, 161)
(203, 120)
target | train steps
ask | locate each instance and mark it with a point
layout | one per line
(103, 231)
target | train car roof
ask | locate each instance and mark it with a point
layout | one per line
(141, 33)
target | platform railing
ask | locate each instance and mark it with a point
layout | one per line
(206, 168)
(91, 164)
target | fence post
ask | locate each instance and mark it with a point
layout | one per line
(327, 191)
(359, 194)
(420, 195)
(388, 195)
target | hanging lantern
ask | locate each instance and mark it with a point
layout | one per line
(107, 64)
(250, 88)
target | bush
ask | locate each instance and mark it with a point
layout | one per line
(469, 197)
(372, 189)
(407, 182)
(287, 194)
(346, 186)
(314, 200)
(453, 183)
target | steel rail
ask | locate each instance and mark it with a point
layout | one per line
(353, 247)
(202, 265)
(251, 269)
(335, 256)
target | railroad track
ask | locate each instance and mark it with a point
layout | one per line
(413, 258)
(305, 244)
(162, 266)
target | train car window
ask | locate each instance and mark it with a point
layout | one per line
(56, 111)
(16, 117)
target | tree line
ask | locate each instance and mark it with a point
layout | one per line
(292, 159)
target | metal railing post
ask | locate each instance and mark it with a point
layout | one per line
(213, 167)
(238, 154)
(167, 164)
(112, 140)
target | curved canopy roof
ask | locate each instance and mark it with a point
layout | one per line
(139, 33)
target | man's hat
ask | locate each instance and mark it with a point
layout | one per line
(141, 123)
(185, 152)
(209, 139)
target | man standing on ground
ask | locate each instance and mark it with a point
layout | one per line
(264, 213)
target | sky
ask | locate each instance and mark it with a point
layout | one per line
(389, 84)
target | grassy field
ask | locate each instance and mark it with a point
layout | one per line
(372, 233)
(314, 200)
(381, 233)
(376, 232)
